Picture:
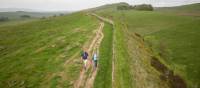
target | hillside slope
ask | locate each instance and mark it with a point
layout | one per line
(138, 49)
(171, 39)
(33, 54)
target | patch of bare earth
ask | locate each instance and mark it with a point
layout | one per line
(90, 80)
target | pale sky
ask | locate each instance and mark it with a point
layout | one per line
(71, 5)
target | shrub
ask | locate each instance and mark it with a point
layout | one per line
(54, 15)
(144, 7)
(62, 14)
(2, 19)
(43, 17)
(25, 16)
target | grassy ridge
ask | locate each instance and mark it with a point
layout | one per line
(123, 72)
(104, 75)
(174, 38)
(30, 53)
(123, 76)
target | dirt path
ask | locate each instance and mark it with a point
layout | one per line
(90, 80)
(113, 46)
(84, 81)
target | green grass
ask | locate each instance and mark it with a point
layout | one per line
(55, 81)
(180, 45)
(173, 37)
(123, 76)
(31, 52)
(16, 22)
(123, 71)
(104, 75)
(176, 38)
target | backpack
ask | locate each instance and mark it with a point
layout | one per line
(85, 55)
(95, 57)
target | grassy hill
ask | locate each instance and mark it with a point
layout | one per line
(173, 39)
(32, 54)
(191, 9)
(107, 7)
(141, 49)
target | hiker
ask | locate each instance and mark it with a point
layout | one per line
(95, 57)
(84, 56)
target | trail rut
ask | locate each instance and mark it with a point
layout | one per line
(83, 80)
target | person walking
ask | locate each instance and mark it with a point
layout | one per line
(84, 56)
(95, 58)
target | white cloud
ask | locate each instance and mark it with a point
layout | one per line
(82, 4)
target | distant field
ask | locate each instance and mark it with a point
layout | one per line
(185, 10)
(32, 53)
(17, 15)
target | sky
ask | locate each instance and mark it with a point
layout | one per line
(74, 5)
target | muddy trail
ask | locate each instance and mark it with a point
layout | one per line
(86, 77)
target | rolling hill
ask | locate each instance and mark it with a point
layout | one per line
(170, 38)
(137, 49)
(17, 15)
(33, 53)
